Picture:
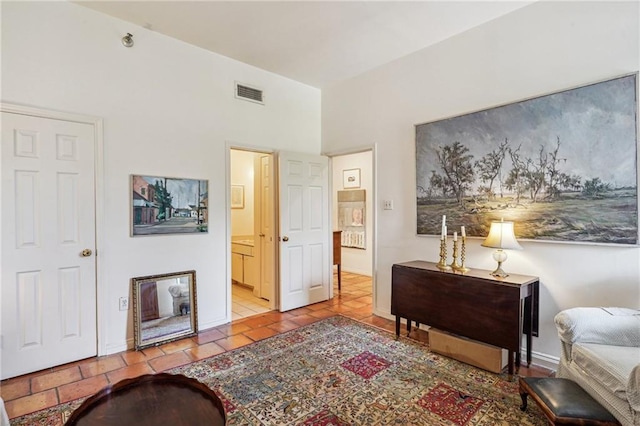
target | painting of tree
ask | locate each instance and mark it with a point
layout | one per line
(562, 166)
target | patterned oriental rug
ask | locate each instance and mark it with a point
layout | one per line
(341, 372)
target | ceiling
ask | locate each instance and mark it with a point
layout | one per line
(315, 42)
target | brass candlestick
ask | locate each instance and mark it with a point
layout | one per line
(454, 264)
(463, 249)
(442, 265)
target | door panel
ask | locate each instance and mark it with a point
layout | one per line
(48, 219)
(304, 229)
(264, 224)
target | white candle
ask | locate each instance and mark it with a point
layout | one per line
(444, 220)
(455, 236)
(444, 231)
(462, 231)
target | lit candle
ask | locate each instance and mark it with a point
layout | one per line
(462, 231)
(455, 236)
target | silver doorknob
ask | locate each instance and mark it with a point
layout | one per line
(86, 253)
(285, 238)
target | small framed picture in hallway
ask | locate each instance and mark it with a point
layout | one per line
(165, 205)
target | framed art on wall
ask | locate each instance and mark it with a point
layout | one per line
(352, 219)
(165, 205)
(237, 196)
(562, 167)
(351, 178)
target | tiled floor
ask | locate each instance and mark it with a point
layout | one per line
(244, 304)
(47, 388)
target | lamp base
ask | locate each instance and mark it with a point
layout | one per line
(499, 256)
(499, 272)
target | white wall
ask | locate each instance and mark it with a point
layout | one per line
(544, 47)
(168, 109)
(356, 260)
(242, 174)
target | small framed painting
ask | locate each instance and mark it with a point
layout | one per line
(351, 178)
(237, 196)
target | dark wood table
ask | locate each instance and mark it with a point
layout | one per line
(152, 399)
(473, 304)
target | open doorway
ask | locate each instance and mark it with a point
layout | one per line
(252, 233)
(353, 211)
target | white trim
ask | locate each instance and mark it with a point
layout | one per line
(227, 219)
(98, 126)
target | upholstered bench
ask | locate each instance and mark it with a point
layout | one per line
(564, 402)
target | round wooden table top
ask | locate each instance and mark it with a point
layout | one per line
(152, 399)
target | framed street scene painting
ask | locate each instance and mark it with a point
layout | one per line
(165, 205)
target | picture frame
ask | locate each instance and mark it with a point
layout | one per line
(162, 205)
(351, 178)
(237, 196)
(561, 166)
(352, 218)
(164, 308)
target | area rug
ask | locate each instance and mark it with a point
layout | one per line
(341, 372)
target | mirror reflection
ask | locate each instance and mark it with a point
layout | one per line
(164, 308)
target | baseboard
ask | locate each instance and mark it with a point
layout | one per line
(356, 271)
(211, 324)
(121, 347)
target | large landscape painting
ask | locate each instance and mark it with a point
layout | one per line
(563, 167)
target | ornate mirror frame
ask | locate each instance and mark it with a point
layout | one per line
(164, 308)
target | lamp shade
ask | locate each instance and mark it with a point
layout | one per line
(501, 236)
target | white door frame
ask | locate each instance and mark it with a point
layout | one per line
(373, 214)
(97, 123)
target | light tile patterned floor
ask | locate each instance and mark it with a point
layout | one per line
(43, 389)
(245, 304)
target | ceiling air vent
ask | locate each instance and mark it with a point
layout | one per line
(249, 93)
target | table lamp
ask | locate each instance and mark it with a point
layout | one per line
(501, 236)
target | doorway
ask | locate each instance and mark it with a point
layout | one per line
(252, 233)
(354, 209)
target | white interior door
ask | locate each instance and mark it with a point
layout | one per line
(265, 225)
(305, 265)
(48, 243)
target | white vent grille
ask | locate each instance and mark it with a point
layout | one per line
(249, 93)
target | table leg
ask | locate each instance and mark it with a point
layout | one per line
(510, 363)
(528, 311)
(408, 326)
(397, 325)
(339, 278)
